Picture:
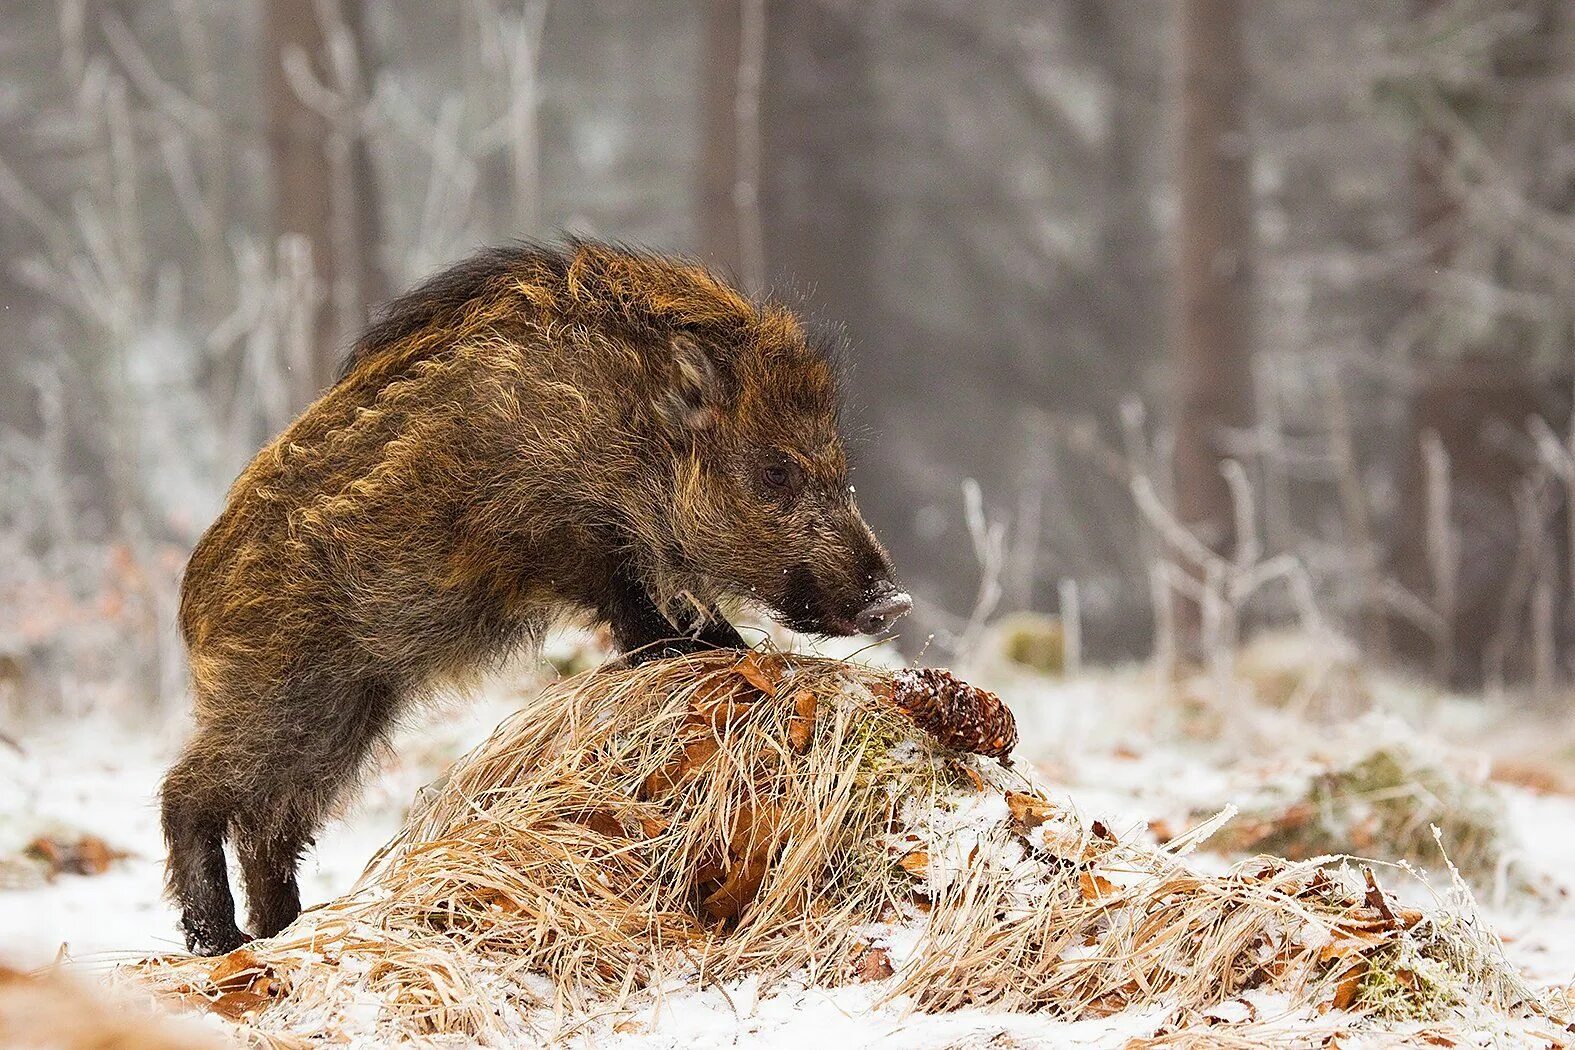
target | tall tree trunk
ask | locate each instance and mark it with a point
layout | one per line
(323, 183)
(1211, 351)
(730, 222)
(719, 137)
(1434, 209)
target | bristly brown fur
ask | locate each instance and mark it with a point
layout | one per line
(533, 434)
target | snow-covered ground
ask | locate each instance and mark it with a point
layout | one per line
(100, 776)
(1097, 737)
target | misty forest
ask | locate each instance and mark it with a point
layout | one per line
(1205, 370)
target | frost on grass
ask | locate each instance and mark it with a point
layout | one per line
(1383, 801)
(785, 820)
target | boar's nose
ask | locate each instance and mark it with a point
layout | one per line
(887, 603)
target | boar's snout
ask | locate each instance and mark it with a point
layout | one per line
(886, 605)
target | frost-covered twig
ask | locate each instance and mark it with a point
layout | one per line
(1443, 549)
(989, 550)
(1071, 628)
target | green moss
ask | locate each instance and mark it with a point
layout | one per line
(1431, 971)
(1034, 641)
(1402, 984)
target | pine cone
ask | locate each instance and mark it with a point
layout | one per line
(961, 716)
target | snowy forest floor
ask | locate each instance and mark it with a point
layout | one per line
(1348, 761)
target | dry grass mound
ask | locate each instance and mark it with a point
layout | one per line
(1384, 802)
(786, 817)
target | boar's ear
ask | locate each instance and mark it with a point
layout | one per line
(693, 395)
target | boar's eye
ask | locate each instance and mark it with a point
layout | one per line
(780, 477)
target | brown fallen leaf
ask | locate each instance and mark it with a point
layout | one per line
(756, 833)
(723, 713)
(801, 726)
(962, 773)
(245, 984)
(1347, 942)
(710, 866)
(1028, 810)
(1114, 1002)
(762, 672)
(716, 689)
(695, 753)
(500, 900)
(915, 863)
(236, 1006)
(874, 964)
(237, 970)
(737, 891)
(603, 823)
(1375, 897)
(1094, 887)
(87, 855)
(1531, 774)
(1347, 987)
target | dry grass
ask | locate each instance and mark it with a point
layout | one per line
(1382, 803)
(699, 820)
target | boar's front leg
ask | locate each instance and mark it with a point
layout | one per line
(717, 633)
(641, 631)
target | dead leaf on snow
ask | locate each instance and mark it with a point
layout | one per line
(874, 964)
(1028, 810)
(88, 855)
(1094, 887)
(1346, 988)
(245, 984)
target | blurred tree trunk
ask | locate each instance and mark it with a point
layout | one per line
(1434, 208)
(818, 129)
(719, 137)
(323, 183)
(732, 68)
(1211, 343)
(1127, 50)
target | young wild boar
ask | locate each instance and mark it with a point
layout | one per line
(535, 434)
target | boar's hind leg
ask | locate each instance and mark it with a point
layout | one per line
(268, 861)
(338, 728)
(196, 806)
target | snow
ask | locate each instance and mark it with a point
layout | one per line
(1096, 738)
(100, 775)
